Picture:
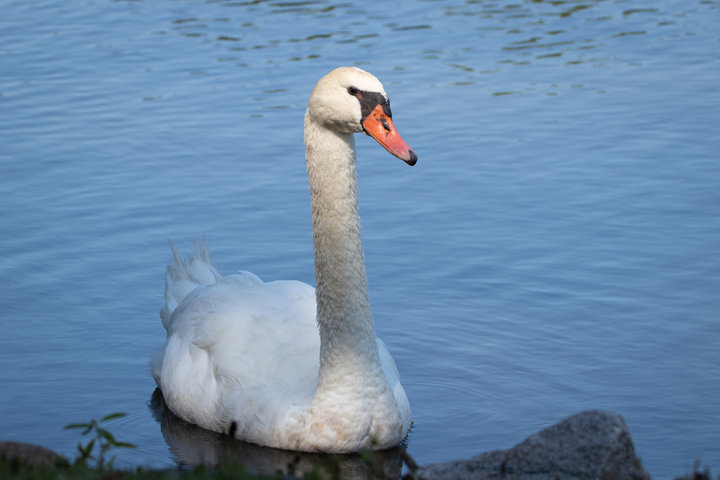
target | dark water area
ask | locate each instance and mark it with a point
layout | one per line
(555, 249)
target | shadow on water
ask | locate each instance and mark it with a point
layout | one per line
(191, 446)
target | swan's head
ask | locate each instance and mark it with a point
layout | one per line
(351, 100)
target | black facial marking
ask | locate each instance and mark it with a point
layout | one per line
(233, 428)
(370, 100)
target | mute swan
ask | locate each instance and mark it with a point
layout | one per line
(281, 364)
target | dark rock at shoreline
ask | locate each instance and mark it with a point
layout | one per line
(28, 453)
(589, 445)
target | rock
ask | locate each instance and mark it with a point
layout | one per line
(589, 445)
(27, 453)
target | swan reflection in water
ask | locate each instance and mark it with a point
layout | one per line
(191, 445)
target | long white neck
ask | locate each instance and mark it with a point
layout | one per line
(347, 337)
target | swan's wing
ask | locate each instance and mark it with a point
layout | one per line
(260, 331)
(240, 350)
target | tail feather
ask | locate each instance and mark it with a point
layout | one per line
(182, 276)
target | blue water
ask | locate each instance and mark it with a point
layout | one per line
(555, 249)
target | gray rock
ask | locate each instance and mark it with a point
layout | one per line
(589, 445)
(27, 453)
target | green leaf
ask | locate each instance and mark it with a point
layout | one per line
(106, 435)
(125, 444)
(76, 425)
(86, 451)
(113, 416)
(88, 448)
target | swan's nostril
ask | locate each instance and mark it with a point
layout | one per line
(385, 124)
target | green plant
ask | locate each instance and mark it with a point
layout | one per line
(103, 439)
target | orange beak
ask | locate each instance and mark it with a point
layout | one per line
(381, 128)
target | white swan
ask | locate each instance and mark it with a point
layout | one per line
(281, 364)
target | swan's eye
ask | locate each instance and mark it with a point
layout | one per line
(353, 91)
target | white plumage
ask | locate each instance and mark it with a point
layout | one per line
(279, 363)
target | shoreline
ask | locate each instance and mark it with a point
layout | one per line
(592, 444)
